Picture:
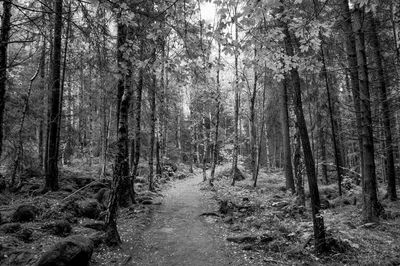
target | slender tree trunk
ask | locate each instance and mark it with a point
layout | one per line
(377, 57)
(261, 130)
(318, 221)
(205, 145)
(335, 140)
(121, 173)
(286, 138)
(54, 108)
(158, 159)
(324, 168)
(4, 38)
(253, 131)
(352, 62)
(152, 131)
(138, 110)
(298, 171)
(121, 39)
(217, 117)
(370, 198)
(63, 77)
(236, 112)
(42, 117)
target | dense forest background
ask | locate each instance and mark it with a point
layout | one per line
(310, 87)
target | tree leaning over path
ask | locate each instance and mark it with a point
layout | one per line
(318, 221)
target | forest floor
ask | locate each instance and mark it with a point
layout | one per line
(187, 222)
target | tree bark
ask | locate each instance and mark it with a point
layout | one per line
(286, 138)
(205, 146)
(253, 131)
(298, 171)
(377, 58)
(152, 131)
(318, 221)
(138, 110)
(4, 39)
(121, 173)
(217, 118)
(370, 198)
(41, 145)
(352, 64)
(236, 112)
(261, 135)
(54, 108)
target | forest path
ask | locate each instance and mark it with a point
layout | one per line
(179, 235)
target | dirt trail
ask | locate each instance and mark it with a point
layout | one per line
(178, 235)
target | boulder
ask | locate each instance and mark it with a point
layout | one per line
(99, 185)
(98, 238)
(180, 176)
(71, 207)
(3, 184)
(25, 213)
(90, 208)
(19, 257)
(68, 188)
(74, 250)
(141, 180)
(242, 238)
(10, 228)
(170, 166)
(239, 176)
(58, 228)
(82, 181)
(4, 200)
(325, 204)
(102, 195)
(25, 235)
(99, 226)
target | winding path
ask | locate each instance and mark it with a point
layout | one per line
(179, 235)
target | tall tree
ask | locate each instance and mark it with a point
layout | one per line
(4, 40)
(370, 198)
(121, 172)
(381, 84)
(287, 161)
(217, 117)
(54, 108)
(350, 44)
(152, 130)
(237, 102)
(318, 221)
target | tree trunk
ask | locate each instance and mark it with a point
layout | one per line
(152, 131)
(205, 145)
(377, 58)
(370, 198)
(352, 62)
(54, 108)
(286, 138)
(298, 171)
(236, 112)
(318, 221)
(138, 111)
(324, 168)
(42, 116)
(253, 131)
(121, 173)
(217, 117)
(261, 135)
(4, 38)
(335, 140)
